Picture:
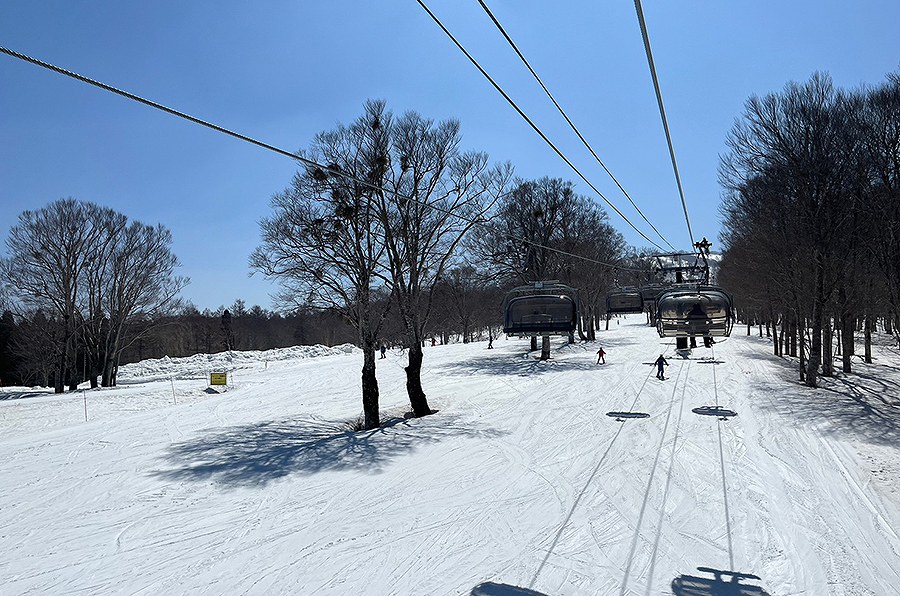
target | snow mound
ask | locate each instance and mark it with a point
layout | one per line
(200, 365)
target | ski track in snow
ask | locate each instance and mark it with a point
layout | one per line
(521, 478)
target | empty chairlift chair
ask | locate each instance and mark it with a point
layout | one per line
(650, 292)
(624, 301)
(546, 308)
(699, 311)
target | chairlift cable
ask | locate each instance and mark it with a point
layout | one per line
(568, 120)
(532, 124)
(662, 113)
(264, 145)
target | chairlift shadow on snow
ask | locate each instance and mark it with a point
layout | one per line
(492, 589)
(255, 454)
(623, 416)
(718, 585)
(717, 411)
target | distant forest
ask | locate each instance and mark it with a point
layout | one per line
(27, 360)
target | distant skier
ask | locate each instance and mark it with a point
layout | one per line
(433, 342)
(660, 363)
(601, 356)
(383, 350)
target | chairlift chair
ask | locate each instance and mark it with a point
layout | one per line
(624, 301)
(697, 311)
(544, 308)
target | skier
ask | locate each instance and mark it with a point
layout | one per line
(697, 316)
(660, 362)
(600, 356)
(697, 312)
(383, 350)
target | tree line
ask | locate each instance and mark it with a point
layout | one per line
(811, 217)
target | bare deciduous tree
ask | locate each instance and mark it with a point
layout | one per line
(94, 273)
(325, 242)
(436, 195)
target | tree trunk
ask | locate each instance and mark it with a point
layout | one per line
(533, 343)
(111, 358)
(775, 341)
(846, 340)
(868, 339)
(59, 383)
(414, 381)
(827, 358)
(59, 386)
(371, 417)
(545, 347)
(818, 315)
(783, 337)
(107, 380)
(801, 336)
(792, 349)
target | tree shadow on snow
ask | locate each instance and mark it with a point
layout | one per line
(519, 364)
(492, 589)
(256, 454)
(856, 405)
(9, 395)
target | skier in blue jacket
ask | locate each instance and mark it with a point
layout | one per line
(660, 363)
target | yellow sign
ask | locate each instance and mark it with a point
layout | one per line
(218, 378)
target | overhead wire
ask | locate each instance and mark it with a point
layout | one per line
(294, 156)
(532, 124)
(568, 120)
(662, 113)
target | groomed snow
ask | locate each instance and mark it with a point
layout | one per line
(520, 484)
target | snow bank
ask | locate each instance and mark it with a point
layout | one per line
(199, 365)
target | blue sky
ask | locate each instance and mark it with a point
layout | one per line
(281, 71)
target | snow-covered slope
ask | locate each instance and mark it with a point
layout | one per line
(520, 482)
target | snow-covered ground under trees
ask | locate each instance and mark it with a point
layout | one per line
(520, 484)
